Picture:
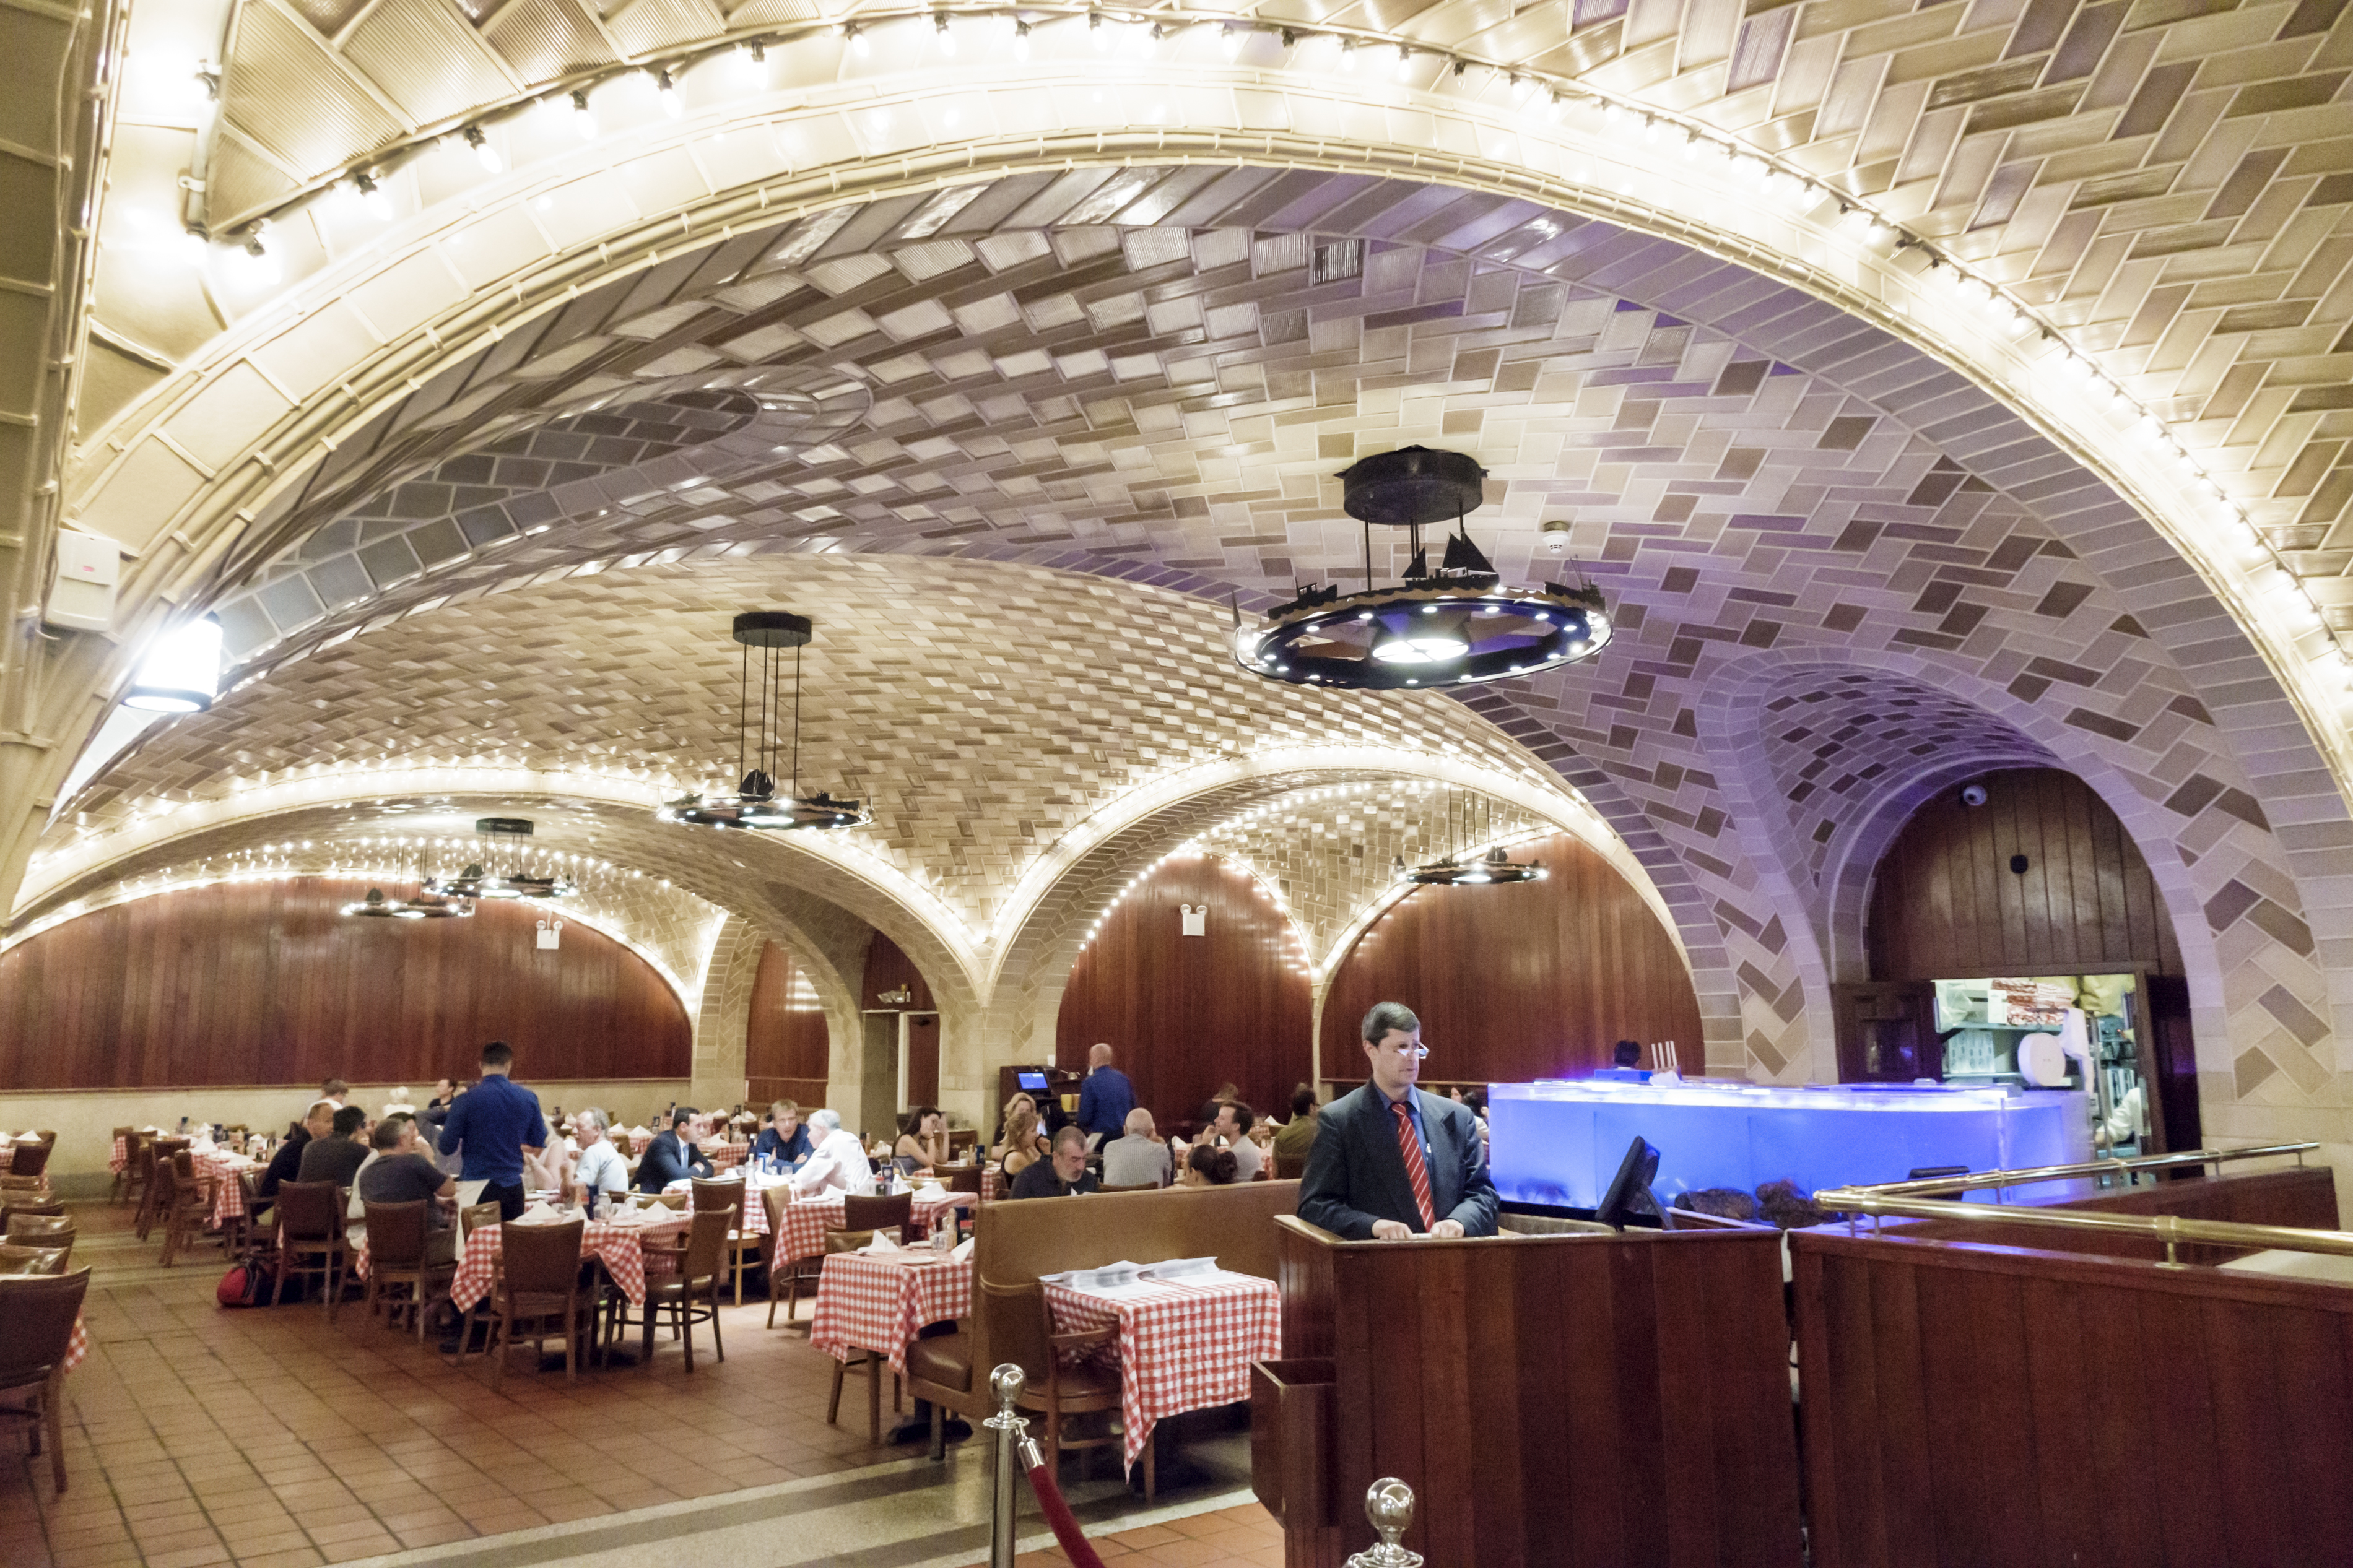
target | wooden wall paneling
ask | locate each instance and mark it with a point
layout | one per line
(266, 982)
(1186, 1015)
(1946, 905)
(1520, 981)
(888, 969)
(785, 1030)
(923, 1060)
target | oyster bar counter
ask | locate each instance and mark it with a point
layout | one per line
(1558, 1143)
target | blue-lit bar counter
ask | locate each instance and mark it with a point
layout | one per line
(1557, 1143)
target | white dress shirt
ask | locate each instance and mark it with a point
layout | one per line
(602, 1169)
(837, 1164)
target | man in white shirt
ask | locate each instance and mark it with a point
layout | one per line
(838, 1162)
(601, 1168)
(1139, 1157)
(1232, 1130)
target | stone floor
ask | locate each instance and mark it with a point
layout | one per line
(273, 1439)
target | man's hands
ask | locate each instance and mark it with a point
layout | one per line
(1448, 1228)
(1393, 1230)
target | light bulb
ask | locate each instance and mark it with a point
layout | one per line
(265, 266)
(1348, 54)
(860, 45)
(583, 119)
(668, 90)
(751, 63)
(946, 38)
(484, 153)
(1020, 39)
(1404, 62)
(1097, 33)
(372, 196)
(1231, 39)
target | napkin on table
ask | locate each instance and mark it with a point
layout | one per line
(881, 1243)
(540, 1213)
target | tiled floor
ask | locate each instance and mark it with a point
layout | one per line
(1244, 1536)
(270, 1440)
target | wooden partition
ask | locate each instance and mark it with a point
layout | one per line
(1988, 1405)
(1586, 1401)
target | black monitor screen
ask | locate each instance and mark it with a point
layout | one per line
(1030, 1079)
(1629, 1193)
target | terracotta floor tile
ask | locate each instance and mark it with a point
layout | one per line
(290, 1557)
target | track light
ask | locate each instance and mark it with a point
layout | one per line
(372, 196)
(1097, 32)
(940, 27)
(668, 90)
(855, 36)
(484, 153)
(265, 260)
(1231, 40)
(751, 62)
(1020, 39)
(583, 119)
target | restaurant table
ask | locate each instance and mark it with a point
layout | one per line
(619, 1247)
(78, 1345)
(1183, 1344)
(807, 1219)
(880, 1300)
(221, 1169)
(728, 1156)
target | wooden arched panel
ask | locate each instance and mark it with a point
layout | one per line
(1946, 904)
(1519, 981)
(786, 1040)
(1189, 1014)
(266, 982)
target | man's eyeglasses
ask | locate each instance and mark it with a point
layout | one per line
(1411, 1053)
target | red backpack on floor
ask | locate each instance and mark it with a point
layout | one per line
(244, 1284)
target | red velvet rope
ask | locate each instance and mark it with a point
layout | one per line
(1058, 1514)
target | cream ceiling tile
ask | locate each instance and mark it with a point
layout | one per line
(487, 252)
(302, 358)
(583, 209)
(403, 295)
(141, 497)
(242, 406)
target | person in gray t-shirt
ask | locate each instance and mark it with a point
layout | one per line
(1137, 1158)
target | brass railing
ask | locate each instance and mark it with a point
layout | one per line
(1912, 1200)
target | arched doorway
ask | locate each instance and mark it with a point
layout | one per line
(2005, 899)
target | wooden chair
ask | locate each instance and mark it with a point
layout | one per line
(32, 1159)
(742, 1245)
(26, 1229)
(962, 1142)
(787, 1278)
(16, 1259)
(151, 1200)
(535, 1292)
(186, 1206)
(40, 1312)
(1021, 1330)
(237, 1229)
(691, 1290)
(396, 1236)
(1289, 1167)
(966, 1181)
(472, 1219)
(939, 1370)
(872, 1362)
(311, 1238)
(128, 1137)
(896, 1216)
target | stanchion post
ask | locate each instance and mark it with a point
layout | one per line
(1389, 1505)
(1005, 1384)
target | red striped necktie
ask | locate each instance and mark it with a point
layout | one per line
(1415, 1172)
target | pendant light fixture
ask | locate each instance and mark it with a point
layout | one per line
(501, 868)
(1462, 866)
(1456, 626)
(760, 745)
(428, 904)
(181, 674)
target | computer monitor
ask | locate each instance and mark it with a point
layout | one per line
(1032, 1078)
(1630, 1191)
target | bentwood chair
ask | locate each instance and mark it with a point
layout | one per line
(1021, 1330)
(311, 1239)
(742, 1245)
(16, 1259)
(186, 1207)
(40, 1312)
(31, 1159)
(152, 1202)
(689, 1291)
(534, 1293)
(473, 1218)
(128, 1137)
(138, 1166)
(784, 1278)
(397, 1239)
(967, 1180)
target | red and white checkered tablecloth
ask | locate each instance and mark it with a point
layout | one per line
(620, 1247)
(880, 1300)
(228, 1194)
(728, 1156)
(1182, 1345)
(807, 1219)
(119, 1158)
(77, 1346)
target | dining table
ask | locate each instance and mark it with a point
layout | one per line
(1182, 1343)
(871, 1305)
(807, 1219)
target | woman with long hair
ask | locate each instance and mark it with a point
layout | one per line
(925, 1141)
(1022, 1143)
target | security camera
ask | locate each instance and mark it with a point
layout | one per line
(1973, 795)
(1555, 536)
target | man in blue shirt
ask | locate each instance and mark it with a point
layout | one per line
(1106, 1096)
(784, 1139)
(495, 1122)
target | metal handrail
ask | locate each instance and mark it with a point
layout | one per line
(1982, 1181)
(1909, 1200)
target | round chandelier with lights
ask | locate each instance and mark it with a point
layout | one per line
(424, 907)
(755, 804)
(500, 869)
(1464, 865)
(1455, 625)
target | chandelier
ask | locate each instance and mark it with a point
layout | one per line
(425, 907)
(1452, 626)
(1468, 866)
(756, 804)
(500, 870)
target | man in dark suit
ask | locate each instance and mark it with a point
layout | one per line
(1390, 1160)
(672, 1155)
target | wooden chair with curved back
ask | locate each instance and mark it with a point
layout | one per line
(784, 1278)
(962, 1180)
(1289, 1167)
(26, 1229)
(688, 1290)
(895, 1214)
(396, 1236)
(742, 1242)
(151, 1200)
(40, 1312)
(871, 1360)
(126, 1136)
(311, 1239)
(1021, 1330)
(138, 1166)
(19, 1259)
(32, 1159)
(535, 1293)
(186, 1206)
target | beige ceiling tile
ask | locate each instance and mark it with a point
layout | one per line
(583, 209)
(404, 296)
(141, 496)
(306, 355)
(490, 250)
(237, 406)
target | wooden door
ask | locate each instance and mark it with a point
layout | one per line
(922, 1070)
(1886, 1031)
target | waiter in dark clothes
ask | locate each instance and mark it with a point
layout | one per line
(1389, 1161)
